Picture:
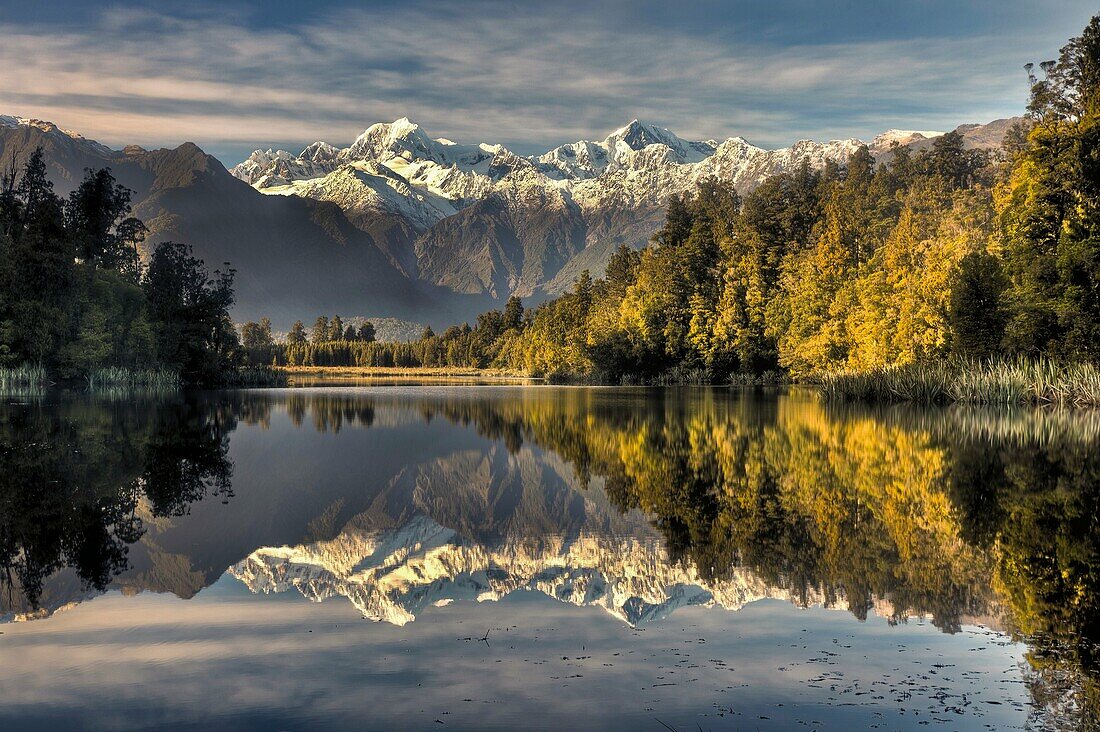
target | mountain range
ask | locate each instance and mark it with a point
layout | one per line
(401, 224)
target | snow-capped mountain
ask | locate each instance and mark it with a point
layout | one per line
(295, 256)
(405, 225)
(484, 220)
(635, 164)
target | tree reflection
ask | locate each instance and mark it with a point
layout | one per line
(73, 474)
(953, 514)
(1039, 516)
(961, 515)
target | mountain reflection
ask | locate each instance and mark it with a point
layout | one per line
(637, 501)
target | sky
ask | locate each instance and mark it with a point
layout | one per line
(234, 76)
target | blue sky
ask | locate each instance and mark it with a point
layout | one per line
(234, 76)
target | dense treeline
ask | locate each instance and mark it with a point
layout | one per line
(74, 296)
(331, 343)
(950, 252)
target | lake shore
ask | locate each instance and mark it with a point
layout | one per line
(426, 372)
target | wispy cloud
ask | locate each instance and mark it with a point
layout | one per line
(528, 77)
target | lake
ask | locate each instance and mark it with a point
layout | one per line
(494, 557)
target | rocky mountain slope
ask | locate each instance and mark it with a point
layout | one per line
(483, 220)
(295, 256)
(400, 224)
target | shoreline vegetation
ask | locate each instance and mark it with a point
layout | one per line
(78, 303)
(995, 381)
(1019, 382)
(367, 372)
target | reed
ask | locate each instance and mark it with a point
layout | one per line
(259, 376)
(21, 377)
(994, 381)
(114, 378)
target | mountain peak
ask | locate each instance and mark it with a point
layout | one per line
(638, 134)
(902, 137)
(319, 150)
(402, 133)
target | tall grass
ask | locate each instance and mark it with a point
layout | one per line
(258, 376)
(19, 377)
(996, 381)
(114, 378)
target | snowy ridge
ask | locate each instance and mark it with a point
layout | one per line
(482, 220)
(366, 186)
(637, 164)
(902, 137)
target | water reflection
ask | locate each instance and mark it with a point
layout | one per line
(79, 478)
(635, 501)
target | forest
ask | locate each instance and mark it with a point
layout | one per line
(947, 254)
(76, 301)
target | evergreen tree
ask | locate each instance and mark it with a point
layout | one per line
(320, 332)
(366, 332)
(336, 329)
(297, 334)
(97, 216)
(513, 314)
(977, 315)
(189, 311)
(1051, 213)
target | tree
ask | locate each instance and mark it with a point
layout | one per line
(189, 310)
(297, 334)
(320, 331)
(808, 321)
(513, 314)
(977, 315)
(950, 161)
(97, 216)
(258, 341)
(41, 289)
(621, 270)
(678, 223)
(336, 329)
(1050, 211)
(349, 333)
(366, 332)
(257, 335)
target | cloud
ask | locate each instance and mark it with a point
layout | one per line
(224, 659)
(530, 78)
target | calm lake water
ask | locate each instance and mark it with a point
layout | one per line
(448, 557)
